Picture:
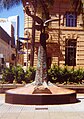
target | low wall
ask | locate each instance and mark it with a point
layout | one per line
(77, 88)
(4, 87)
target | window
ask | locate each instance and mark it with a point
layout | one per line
(71, 19)
(70, 52)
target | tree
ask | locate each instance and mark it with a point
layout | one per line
(9, 3)
(44, 5)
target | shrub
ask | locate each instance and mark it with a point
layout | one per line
(19, 74)
(55, 74)
(8, 75)
(77, 75)
(13, 73)
(65, 74)
(30, 75)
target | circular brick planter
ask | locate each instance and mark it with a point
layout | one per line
(30, 96)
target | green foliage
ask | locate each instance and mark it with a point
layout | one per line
(55, 74)
(17, 75)
(8, 75)
(65, 74)
(13, 73)
(77, 75)
(30, 74)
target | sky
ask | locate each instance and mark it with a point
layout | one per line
(16, 10)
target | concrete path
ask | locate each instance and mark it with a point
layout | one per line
(65, 111)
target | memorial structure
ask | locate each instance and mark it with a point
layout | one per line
(41, 91)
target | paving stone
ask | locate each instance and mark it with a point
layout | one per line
(26, 115)
(57, 115)
(41, 115)
(65, 111)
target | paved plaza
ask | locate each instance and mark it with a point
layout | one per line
(65, 111)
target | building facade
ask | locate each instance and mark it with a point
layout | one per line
(7, 49)
(10, 28)
(65, 45)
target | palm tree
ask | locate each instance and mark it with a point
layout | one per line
(9, 3)
(44, 4)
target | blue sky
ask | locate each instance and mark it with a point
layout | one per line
(16, 10)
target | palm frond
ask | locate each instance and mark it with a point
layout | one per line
(9, 3)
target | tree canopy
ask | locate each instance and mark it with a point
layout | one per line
(9, 3)
(44, 5)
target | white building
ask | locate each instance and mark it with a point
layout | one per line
(7, 26)
(7, 40)
(8, 23)
(6, 48)
(11, 26)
